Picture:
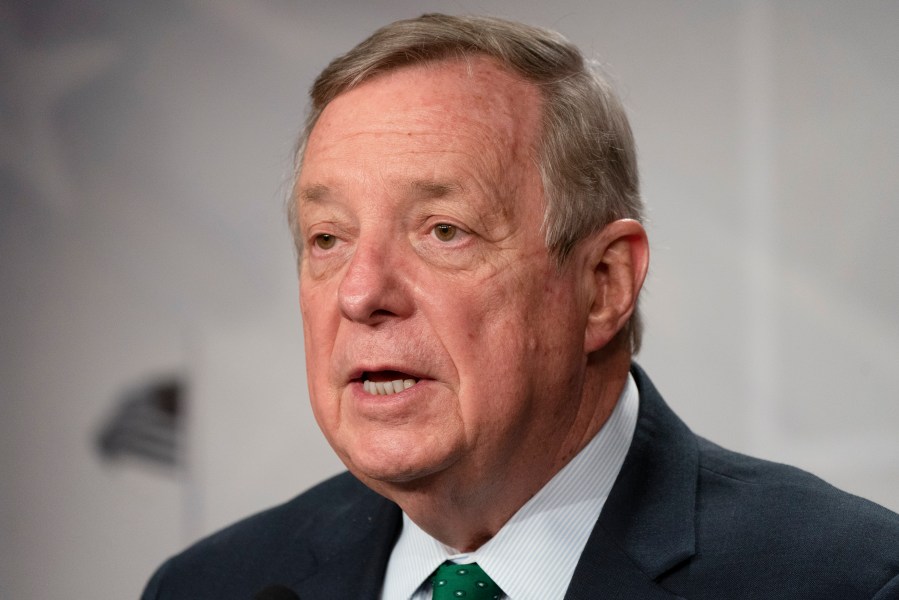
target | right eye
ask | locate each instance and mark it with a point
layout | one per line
(325, 241)
(445, 232)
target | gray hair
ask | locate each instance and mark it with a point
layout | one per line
(587, 156)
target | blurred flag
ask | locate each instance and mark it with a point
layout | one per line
(146, 424)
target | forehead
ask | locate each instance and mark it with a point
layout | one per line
(470, 107)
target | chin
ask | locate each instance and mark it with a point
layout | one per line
(382, 468)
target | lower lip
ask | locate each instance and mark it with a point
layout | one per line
(387, 402)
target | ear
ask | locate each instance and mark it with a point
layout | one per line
(617, 258)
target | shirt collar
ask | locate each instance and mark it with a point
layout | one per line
(535, 553)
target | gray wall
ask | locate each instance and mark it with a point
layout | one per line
(144, 151)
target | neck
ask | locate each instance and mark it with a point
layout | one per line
(464, 516)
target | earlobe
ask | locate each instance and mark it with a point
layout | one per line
(617, 262)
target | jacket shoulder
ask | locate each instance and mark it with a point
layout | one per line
(765, 524)
(241, 558)
(779, 491)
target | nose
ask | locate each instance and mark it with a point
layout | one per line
(373, 288)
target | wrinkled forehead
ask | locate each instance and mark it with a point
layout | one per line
(470, 96)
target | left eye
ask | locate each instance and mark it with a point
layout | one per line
(325, 241)
(445, 232)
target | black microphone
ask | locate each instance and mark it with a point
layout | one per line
(276, 592)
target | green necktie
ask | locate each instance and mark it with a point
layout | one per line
(452, 581)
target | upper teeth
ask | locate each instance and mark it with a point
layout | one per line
(387, 387)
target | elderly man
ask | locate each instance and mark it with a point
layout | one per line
(467, 221)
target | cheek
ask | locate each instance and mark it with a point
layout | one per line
(485, 330)
(518, 324)
(319, 332)
(318, 306)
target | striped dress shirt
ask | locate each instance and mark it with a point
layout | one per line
(533, 556)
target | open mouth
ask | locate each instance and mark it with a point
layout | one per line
(384, 383)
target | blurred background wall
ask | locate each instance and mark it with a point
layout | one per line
(144, 154)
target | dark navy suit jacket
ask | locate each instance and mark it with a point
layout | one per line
(685, 519)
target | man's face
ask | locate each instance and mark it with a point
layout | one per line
(424, 271)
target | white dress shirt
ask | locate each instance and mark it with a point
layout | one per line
(533, 555)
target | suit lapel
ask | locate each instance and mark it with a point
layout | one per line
(647, 525)
(352, 557)
(612, 575)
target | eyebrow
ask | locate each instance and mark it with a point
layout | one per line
(420, 189)
(314, 193)
(431, 190)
